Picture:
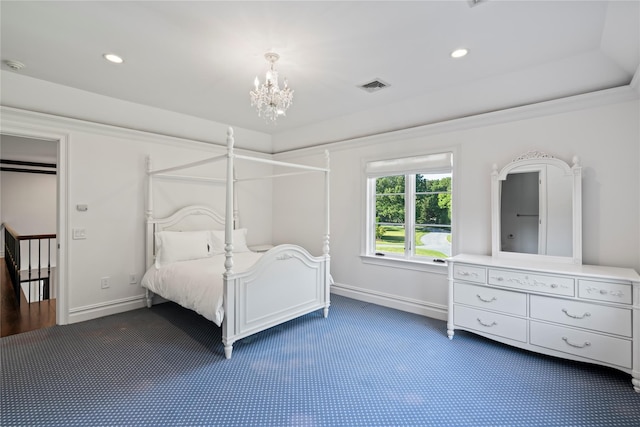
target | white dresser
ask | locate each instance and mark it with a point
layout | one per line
(580, 312)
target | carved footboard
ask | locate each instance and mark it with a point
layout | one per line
(286, 283)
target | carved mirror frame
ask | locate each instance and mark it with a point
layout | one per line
(530, 161)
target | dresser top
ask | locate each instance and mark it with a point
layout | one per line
(599, 271)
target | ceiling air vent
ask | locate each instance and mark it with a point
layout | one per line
(475, 2)
(374, 86)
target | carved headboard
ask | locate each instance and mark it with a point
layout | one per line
(189, 218)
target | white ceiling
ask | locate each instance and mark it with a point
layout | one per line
(200, 58)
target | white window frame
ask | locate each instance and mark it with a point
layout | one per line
(408, 166)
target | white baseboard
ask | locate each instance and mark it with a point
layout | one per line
(436, 311)
(88, 312)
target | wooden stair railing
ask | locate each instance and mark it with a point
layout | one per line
(35, 272)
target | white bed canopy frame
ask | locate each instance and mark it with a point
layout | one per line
(287, 282)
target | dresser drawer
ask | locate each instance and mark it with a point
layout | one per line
(469, 273)
(490, 298)
(581, 314)
(532, 282)
(605, 291)
(491, 323)
(616, 351)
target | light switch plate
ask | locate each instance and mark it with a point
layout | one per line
(79, 234)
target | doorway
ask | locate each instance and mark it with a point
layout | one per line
(29, 279)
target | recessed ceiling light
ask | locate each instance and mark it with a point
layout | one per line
(113, 58)
(459, 53)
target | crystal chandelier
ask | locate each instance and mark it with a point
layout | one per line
(271, 101)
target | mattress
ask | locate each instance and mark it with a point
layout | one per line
(197, 284)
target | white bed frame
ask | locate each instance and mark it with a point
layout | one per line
(287, 282)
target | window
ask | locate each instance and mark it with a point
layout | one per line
(409, 208)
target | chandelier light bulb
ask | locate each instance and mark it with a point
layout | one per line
(269, 100)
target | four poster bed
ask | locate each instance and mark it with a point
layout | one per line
(199, 259)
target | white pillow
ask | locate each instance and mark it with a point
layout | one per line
(239, 240)
(217, 242)
(172, 246)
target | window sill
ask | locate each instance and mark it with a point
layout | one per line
(431, 267)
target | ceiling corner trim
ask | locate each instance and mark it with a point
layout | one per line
(556, 106)
(635, 81)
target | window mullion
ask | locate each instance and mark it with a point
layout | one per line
(371, 220)
(409, 214)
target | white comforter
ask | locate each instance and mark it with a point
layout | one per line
(196, 284)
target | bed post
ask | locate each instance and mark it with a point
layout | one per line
(325, 245)
(228, 325)
(148, 295)
(228, 221)
(236, 217)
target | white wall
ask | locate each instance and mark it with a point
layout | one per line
(106, 171)
(105, 168)
(27, 201)
(28, 206)
(606, 138)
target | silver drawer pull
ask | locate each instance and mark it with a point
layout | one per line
(604, 292)
(499, 278)
(488, 325)
(466, 273)
(486, 300)
(586, 343)
(575, 316)
(553, 286)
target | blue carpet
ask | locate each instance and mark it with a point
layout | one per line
(364, 365)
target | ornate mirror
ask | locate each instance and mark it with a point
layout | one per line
(536, 203)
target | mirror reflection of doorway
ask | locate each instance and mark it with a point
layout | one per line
(28, 213)
(519, 214)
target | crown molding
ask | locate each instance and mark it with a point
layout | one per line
(32, 120)
(635, 81)
(557, 106)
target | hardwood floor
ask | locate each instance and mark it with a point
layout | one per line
(26, 317)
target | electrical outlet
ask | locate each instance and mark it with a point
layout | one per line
(133, 280)
(104, 282)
